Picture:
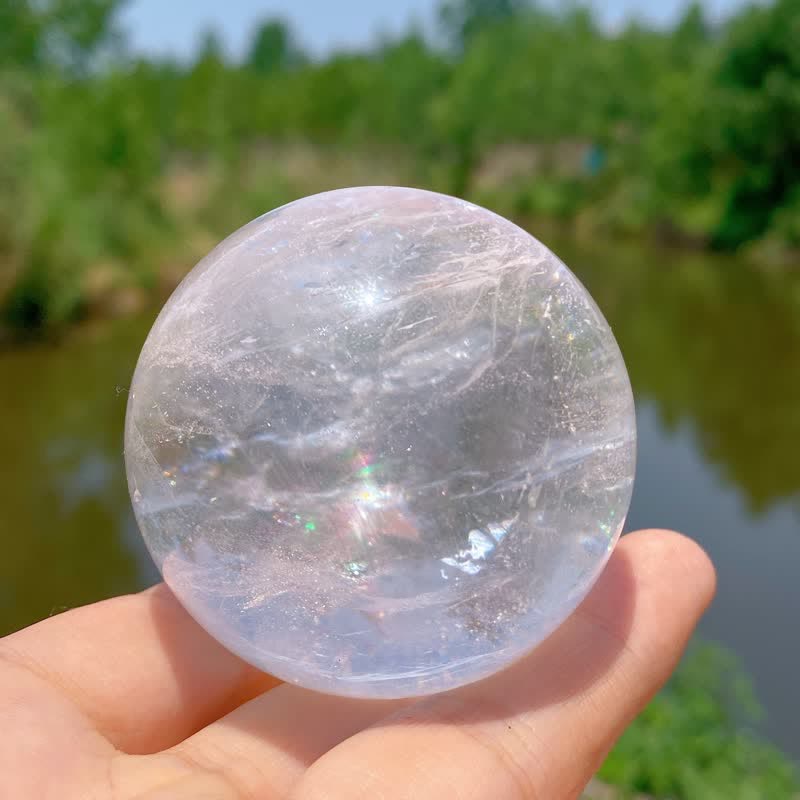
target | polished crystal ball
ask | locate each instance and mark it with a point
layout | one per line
(380, 442)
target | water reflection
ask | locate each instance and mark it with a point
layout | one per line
(68, 535)
(711, 341)
(757, 555)
(713, 350)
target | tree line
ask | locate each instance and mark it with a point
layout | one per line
(689, 132)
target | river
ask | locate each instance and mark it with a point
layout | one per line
(713, 350)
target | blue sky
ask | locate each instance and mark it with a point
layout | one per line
(172, 26)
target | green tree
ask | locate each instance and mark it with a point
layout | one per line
(461, 20)
(757, 132)
(19, 34)
(274, 49)
(202, 120)
(691, 34)
(688, 742)
(61, 33)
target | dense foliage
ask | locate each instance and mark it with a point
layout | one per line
(114, 168)
(689, 744)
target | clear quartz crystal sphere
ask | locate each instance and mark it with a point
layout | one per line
(380, 442)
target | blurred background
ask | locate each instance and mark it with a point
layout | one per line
(656, 149)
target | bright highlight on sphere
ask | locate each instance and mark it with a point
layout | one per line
(380, 442)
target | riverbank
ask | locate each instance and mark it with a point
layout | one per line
(50, 289)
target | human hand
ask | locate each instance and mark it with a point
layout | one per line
(129, 699)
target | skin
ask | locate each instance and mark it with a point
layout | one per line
(129, 699)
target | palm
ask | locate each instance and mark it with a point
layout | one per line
(130, 699)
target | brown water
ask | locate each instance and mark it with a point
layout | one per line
(713, 349)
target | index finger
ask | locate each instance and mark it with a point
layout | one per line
(139, 667)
